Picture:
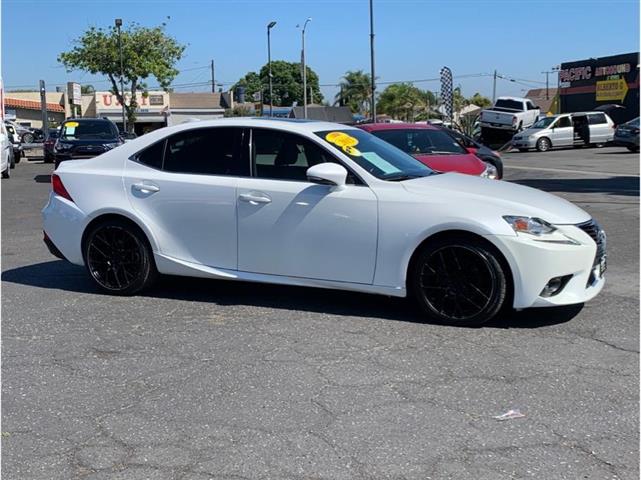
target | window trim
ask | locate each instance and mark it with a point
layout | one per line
(325, 150)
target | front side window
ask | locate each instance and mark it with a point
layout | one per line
(374, 155)
(544, 122)
(206, 151)
(88, 129)
(421, 141)
(284, 156)
(563, 122)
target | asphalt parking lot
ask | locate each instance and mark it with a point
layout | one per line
(202, 379)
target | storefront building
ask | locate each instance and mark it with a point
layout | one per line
(588, 84)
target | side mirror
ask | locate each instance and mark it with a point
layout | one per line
(327, 174)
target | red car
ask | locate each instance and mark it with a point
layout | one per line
(431, 146)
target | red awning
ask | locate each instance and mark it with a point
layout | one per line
(31, 105)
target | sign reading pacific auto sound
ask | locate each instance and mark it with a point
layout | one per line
(152, 102)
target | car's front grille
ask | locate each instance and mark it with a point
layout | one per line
(597, 234)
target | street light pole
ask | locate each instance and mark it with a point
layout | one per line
(122, 88)
(371, 48)
(269, 62)
(302, 57)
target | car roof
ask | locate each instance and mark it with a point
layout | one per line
(376, 127)
(88, 119)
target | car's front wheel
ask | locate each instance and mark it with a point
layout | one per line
(6, 173)
(543, 144)
(119, 258)
(458, 281)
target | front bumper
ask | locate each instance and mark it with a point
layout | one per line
(534, 264)
(524, 142)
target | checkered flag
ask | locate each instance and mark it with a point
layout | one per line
(446, 91)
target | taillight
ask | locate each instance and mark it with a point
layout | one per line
(59, 188)
(513, 120)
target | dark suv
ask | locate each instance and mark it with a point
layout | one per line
(85, 138)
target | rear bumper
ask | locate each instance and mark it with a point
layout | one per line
(53, 250)
(508, 127)
(64, 223)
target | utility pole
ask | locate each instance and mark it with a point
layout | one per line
(371, 48)
(269, 62)
(122, 88)
(494, 88)
(43, 107)
(557, 69)
(547, 84)
(213, 78)
(302, 58)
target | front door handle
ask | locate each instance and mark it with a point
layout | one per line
(254, 198)
(145, 187)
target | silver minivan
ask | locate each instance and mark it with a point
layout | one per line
(566, 130)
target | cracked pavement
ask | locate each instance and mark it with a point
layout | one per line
(202, 379)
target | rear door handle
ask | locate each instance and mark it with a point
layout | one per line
(254, 198)
(145, 187)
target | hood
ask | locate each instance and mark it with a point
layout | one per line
(88, 141)
(463, 163)
(507, 198)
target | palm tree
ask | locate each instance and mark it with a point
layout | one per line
(355, 91)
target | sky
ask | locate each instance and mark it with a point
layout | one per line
(414, 38)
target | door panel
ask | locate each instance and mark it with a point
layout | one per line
(192, 212)
(307, 230)
(563, 136)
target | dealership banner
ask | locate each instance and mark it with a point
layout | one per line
(588, 84)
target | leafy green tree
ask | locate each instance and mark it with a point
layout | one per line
(480, 100)
(355, 91)
(287, 84)
(404, 101)
(86, 89)
(146, 52)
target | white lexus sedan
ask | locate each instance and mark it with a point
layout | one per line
(320, 205)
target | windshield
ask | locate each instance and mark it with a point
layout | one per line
(510, 104)
(421, 142)
(88, 129)
(544, 122)
(378, 157)
(634, 123)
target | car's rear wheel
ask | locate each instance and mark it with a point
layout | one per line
(523, 150)
(458, 281)
(119, 258)
(543, 144)
(633, 149)
(5, 173)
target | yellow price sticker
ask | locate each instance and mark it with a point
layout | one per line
(341, 139)
(71, 124)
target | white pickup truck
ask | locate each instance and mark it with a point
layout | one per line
(508, 115)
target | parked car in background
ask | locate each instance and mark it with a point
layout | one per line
(322, 205)
(481, 151)
(6, 151)
(508, 116)
(48, 145)
(432, 146)
(566, 130)
(627, 135)
(20, 133)
(85, 138)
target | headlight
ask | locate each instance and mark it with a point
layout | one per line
(541, 229)
(490, 171)
(61, 147)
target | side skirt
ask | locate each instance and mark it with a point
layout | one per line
(174, 266)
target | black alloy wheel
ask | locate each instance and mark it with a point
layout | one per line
(543, 144)
(118, 258)
(28, 138)
(459, 282)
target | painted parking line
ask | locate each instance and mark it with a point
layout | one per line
(579, 172)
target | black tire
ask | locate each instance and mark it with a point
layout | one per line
(523, 150)
(17, 157)
(12, 160)
(48, 158)
(543, 144)
(6, 173)
(458, 281)
(633, 149)
(118, 257)
(28, 137)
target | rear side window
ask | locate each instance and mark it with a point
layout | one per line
(152, 156)
(596, 118)
(206, 151)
